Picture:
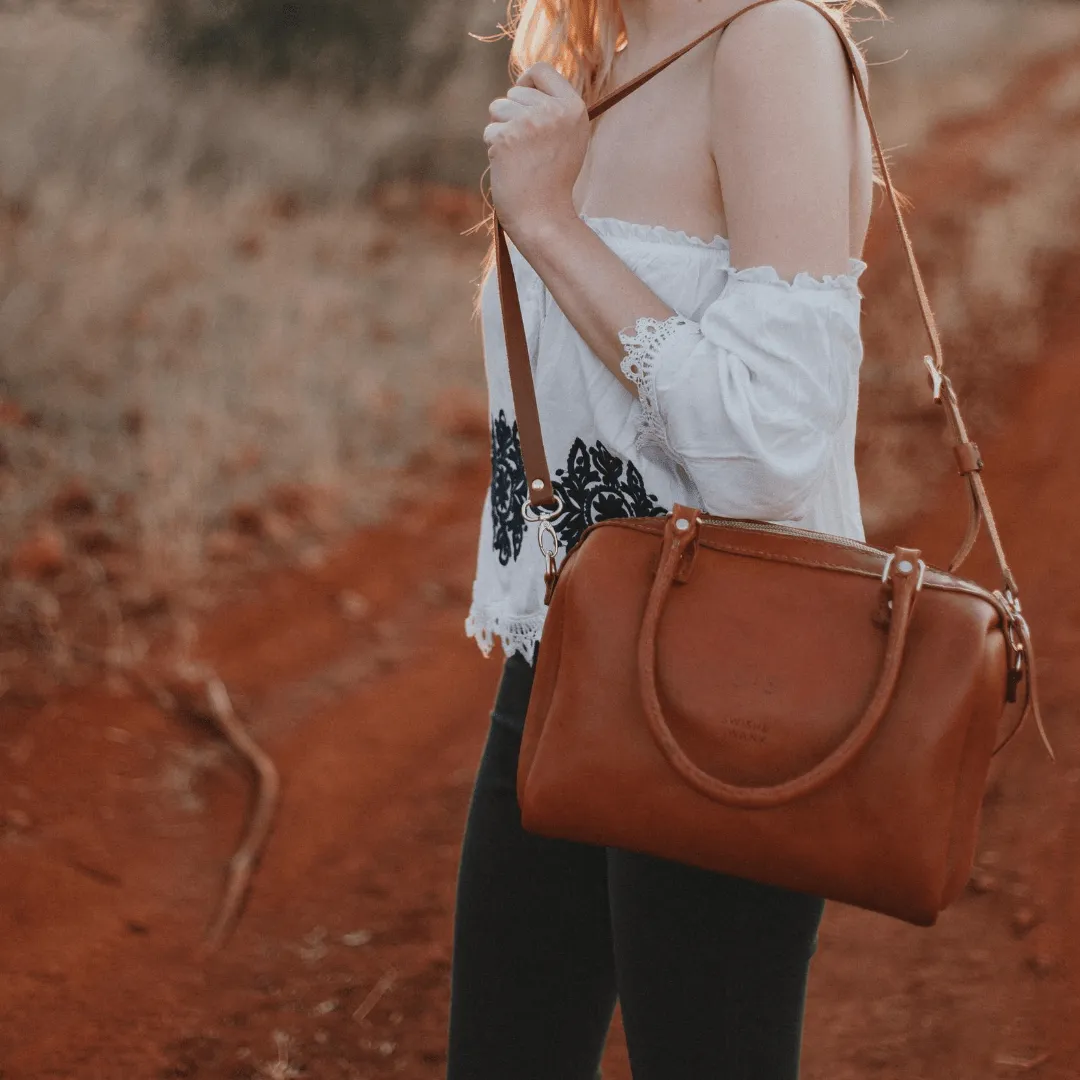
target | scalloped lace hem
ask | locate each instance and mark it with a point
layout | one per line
(642, 348)
(516, 633)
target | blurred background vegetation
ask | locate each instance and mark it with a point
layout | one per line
(409, 46)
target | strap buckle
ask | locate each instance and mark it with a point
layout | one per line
(1015, 624)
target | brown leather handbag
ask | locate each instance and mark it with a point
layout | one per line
(800, 709)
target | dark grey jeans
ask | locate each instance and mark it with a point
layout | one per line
(710, 970)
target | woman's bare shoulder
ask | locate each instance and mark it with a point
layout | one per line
(781, 138)
(774, 36)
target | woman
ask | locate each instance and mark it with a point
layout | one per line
(688, 269)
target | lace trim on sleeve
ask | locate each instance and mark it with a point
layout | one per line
(643, 347)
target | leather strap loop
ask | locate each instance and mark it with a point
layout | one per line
(528, 420)
(967, 458)
(904, 591)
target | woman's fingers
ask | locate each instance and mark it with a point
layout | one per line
(539, 85)
(527, 95)
(503, 109)
(516, 101)
(544, 77)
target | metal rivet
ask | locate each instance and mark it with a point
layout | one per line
(904, 567)
(538, 485)
(682, 524)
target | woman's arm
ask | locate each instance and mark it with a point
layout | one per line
(536, 144)
(782, 141)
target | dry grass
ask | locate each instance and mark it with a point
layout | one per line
(214, 349)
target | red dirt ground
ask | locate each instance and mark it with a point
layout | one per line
(118, 821)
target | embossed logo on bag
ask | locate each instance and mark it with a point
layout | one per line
(744, 730)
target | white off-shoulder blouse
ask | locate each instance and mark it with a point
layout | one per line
(746, 408)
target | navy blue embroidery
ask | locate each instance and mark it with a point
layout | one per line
(595, 485)
(507, 489)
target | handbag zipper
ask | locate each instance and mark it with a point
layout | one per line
(786, 530)
(960, 584)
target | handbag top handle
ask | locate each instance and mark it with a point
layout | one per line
(533, 456)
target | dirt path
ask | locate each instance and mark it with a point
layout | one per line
(117, 821)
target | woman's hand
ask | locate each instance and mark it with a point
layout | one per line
(536, 144)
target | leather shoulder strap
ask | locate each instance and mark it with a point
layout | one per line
(540, 488)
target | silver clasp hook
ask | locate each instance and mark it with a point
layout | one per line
(546, 536)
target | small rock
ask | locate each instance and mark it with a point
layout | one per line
(1041, 963)
(353, 606)
(1024, 920)
(42, 555)
(73, 501)
(982, 881)
(355, 938)
(325, 1007)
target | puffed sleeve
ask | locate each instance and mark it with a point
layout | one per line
(749, 399)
